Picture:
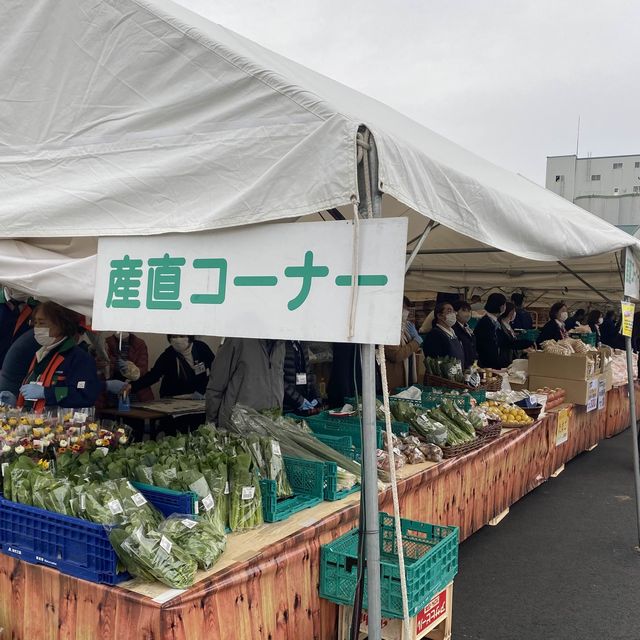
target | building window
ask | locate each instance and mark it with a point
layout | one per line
(636, 189)
(559, 178)
(616, 191)
(595, 177)
(617, 165)
(637, 165)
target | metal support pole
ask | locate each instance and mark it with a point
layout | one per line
(634, 426)
(370, 475)
(575, 275)
(370, 206)
(416, 249)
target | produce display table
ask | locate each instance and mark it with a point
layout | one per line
(266, 583)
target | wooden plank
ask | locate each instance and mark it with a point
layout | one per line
(494, 522)
(558, 471)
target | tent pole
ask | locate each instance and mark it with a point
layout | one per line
(634, 426)
(370, 206)
(573, 273)
(416, 249)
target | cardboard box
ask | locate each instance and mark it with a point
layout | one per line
(577, 366)
(578, 391)
(608, 378)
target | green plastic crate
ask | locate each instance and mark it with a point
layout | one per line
(331, 492)
(431, 563)
(325, 424)
(342, 444)
(587, 338)
(306, 478)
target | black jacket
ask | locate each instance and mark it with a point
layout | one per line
(178, 377)
(438, 344)
(468, 341)
(550, 331)
(510, 345)
(488, 344)
(295, 362)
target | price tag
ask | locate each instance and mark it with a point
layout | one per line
(103, 450)
(4, 468)
(226, 488)
(166, 544)
(115, 507)
(301, 378)
(82, 500)
(208, 503)
(189, 523)
(138, 499)
(562, 429)
(248, 493)
(275, 448)
(80, 417)
(196, 508)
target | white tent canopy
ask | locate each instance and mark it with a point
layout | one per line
(126, 117)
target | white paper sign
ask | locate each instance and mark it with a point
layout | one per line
(631, 275)
(277, 281)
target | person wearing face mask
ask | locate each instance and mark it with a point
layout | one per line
(15, 313)
(555, 328)
(464, 332)
(400, 360)
(442, 341)
(575, 320)
(595, 320)
(184, 368)
(523, 319)
(61, 373)
(486, 333)
(128, 361)
(508, 341)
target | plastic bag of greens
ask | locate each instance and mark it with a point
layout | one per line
(21, 475)
(245, 510)
(274, 467)
(203, 539)
(128, 560)
(137, 511)
(163, 475)
(53, 494)
(214, 470)
(255, 447)
(431, 430)
(153, 553)
(143, 474)
(101, 503)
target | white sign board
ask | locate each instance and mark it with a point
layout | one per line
(631, 275)
(280, 281)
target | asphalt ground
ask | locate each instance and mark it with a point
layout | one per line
(563, 564)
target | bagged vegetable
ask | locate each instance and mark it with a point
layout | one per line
(274, 467)
(201, 538)
(246, 501)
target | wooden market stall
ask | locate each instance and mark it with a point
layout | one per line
(266, 583)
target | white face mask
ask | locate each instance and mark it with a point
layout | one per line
(405, 315)
(450, 319)
(563, 316)
(180, 344)
(42, 337)
(477, 306)
(600, 320)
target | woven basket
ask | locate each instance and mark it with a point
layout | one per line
(462, 449)
(437, 381)
(491, 431)
(493, 384)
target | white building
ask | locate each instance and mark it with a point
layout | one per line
(608, 186)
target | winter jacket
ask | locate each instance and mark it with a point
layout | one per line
(134, 350)
(178, 376)
(523, 319)
(295, 363)
(488, 345)
(69, 376)
(248, 372)
(468, 342)
(510, 345)
(398, 365)
(17, 361)
(439, 344)
(550, 331)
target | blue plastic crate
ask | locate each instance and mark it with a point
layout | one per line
(168, 501)
(76, 547)
(431, 563)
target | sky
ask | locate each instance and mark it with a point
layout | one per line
(505, 79)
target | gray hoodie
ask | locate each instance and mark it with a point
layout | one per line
(246, 371)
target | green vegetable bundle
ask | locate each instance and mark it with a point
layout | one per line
(447, 367)
(274, 467)
(202, 539)
(246, 501)
(152, 555)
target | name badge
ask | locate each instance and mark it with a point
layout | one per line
(199, 368)
(301, 378)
